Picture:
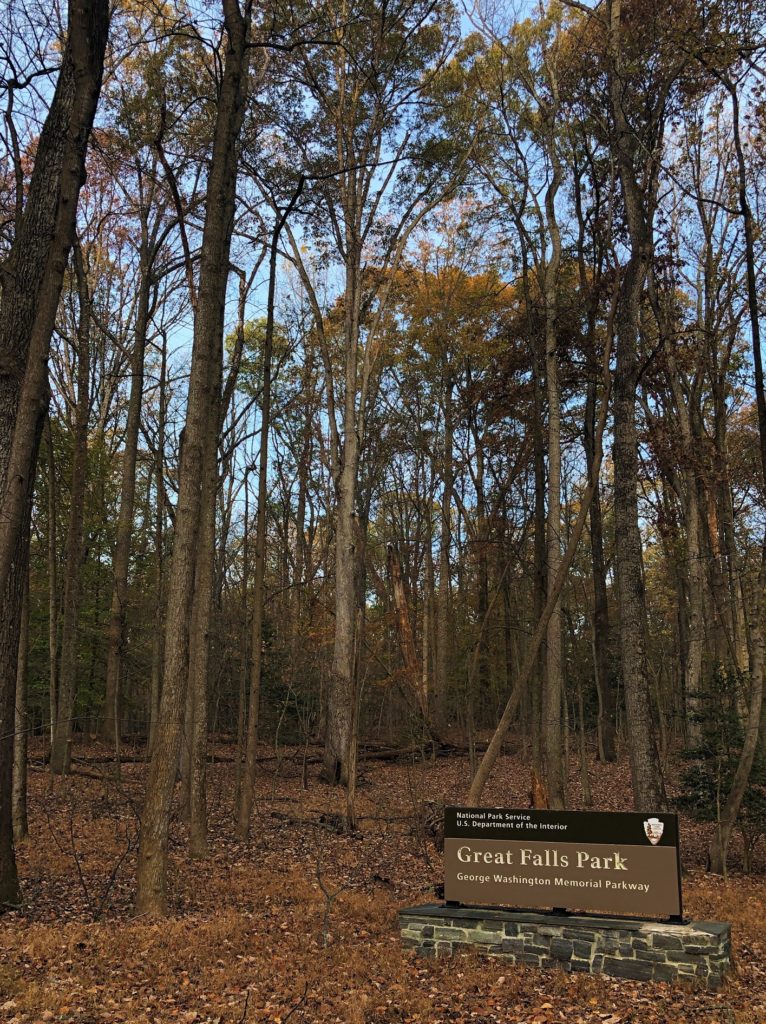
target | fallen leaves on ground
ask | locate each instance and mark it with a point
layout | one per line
(251, 938)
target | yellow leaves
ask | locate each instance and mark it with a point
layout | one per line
(449, 306)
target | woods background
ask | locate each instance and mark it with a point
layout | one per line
(376, 374)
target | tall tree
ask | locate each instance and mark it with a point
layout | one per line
(150, 210)
(75, 537)
(522, 163)
(247, 791)
(201, 420)
(31, 281)
(357, 129)
(734, 58)
(642, 71)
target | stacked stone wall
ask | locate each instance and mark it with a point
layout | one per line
(696, 952)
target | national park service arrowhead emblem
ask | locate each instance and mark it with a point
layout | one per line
(654, 829)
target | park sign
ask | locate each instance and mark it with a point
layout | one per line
(609, 863)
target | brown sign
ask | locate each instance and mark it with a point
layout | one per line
(574, 860)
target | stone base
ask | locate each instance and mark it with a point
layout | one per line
(698, 952)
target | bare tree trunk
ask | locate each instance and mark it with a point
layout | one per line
(692, 668)
(723, 641)
(416, 678)
(587, 796)
(696, 627)
(53, 616)
(158, 645)
(648, 788)
(340, 707)
(607, 732)
(303, 468)
(247, 790)
(510, 647)
(428, 608)
(207, 353)
(31, 285)
(121, 557)
(21, 723)
(185, 753)
(34, 269)
(342, 689)
(444, 631)
(590, 281)
(244, 674)
(353, 738)
(633, 152)
(720, 844)
(537, 678)
(199, 659)
(733, 571)
(548, 274)
(196, 720)
(553, 668)
(75, 541)
(10, 627)
(495, 745)
(481, 541)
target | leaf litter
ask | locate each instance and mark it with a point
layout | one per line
(299, 923)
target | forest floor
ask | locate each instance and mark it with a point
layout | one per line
(258, 934)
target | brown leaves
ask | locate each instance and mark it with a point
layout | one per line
(245, 946)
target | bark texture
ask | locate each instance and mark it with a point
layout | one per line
(246, 793)
(199, 661)
(496, 743)
(607, 728)
(417, 679)
(636, 146)
(75, 540)
(342, 689)
(121, 556)
(754, 724)
(444, 635)
(648, 789)
(151, 894)
(30, 283)
(554, 675)
(21, 728)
